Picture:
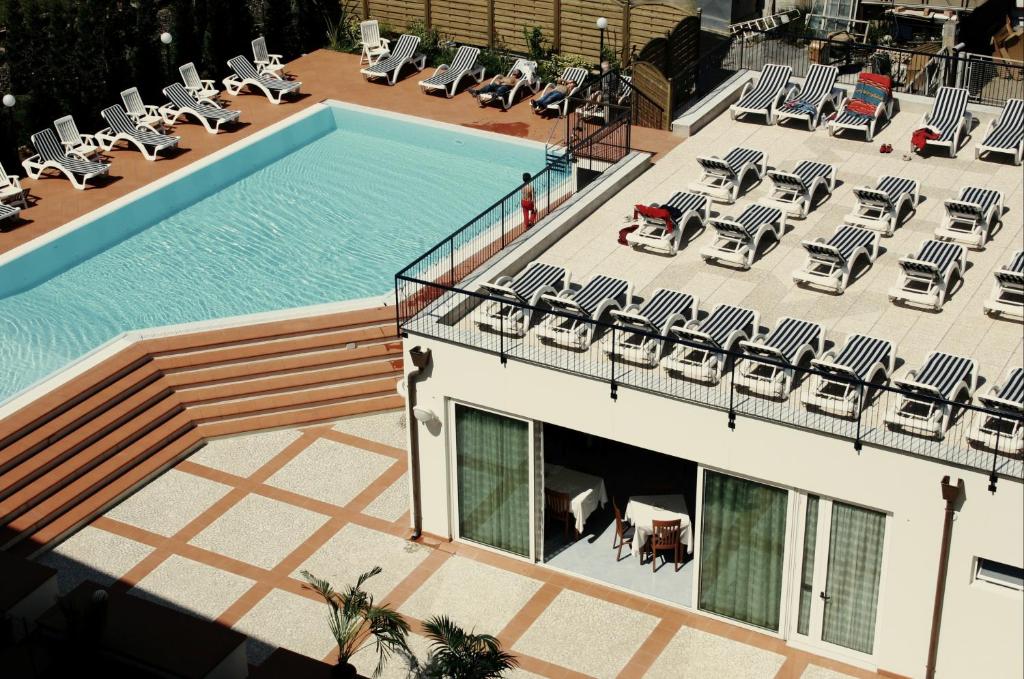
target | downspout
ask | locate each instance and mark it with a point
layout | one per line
(420, 359)
(951, 494)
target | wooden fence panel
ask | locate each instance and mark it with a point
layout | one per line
(579, 31)
(647, 22)
(461, 20)
(397, 14)
(511, 16)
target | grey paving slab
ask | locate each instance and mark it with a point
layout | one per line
(331, 472)
(393, 502)
(192, 587)
(695, 654)
(243, 455)
(169, 503)
(94, 554)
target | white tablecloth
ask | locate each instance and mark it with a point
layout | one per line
(586, 490)
(644, 510)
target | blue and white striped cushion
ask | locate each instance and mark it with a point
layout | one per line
(50, 150)
(974, 201)
(183, 100)
(754, 216)
(664, 303)
(536, 276)
(852, 119)
(245, 70)
(597, 290)
(791, 334)
(895, 187)
(1009, 130)
(724, 320)
(120, 123)
(948, 110)
(938, 253)
(861, 352)
(818, 85)
(1016, 264)
(464, 60)
(684, 202)
(738, 157)
(1013, 388)
(773, 78)
(944, 371)
(403, 51)
(847, 239)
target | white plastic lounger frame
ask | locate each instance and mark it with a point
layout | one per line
(950, 118)
(199, 88)
(374, 47)
(1005, 134)
(524, 289)
(819, 89)
(793, 192)
(837, 390)
(446, 77)
(246, 75)
(598, 296)
(529, 80)
(575, 74)
(1004, 434)
(84, 145)
(11, 190)
(722, 178)
(700, 358)
(122, 128)
(739, 239)
(632, 340)
(764, 96)
(1007, 298)
(143, 114)
(971, 217)
(880, 208)
(264, 61)
(925, 279)
(922, 407)
(830, 263)
(205, 111)
(851, 120)
(791, 343)
(51, 156)
(655, 234)
(390, 67)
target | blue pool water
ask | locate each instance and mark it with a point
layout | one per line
(326, 209)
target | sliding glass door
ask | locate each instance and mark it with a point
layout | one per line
(743, 539)
(492, 469)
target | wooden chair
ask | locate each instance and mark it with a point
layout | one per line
(624, 532)
(666, 535)
(559, 507)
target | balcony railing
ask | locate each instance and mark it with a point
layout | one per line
(800, 396)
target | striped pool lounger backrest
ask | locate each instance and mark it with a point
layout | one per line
(738, 157)
(1013, 388)
(949, 108)
(1016, 264)
(894, 187)
(45, 142)
(536, 276)
(244, 68)
(940, 253)
(944, 371)
(773, 78)
(684, 202)
(597, 290)
(753, 216)
(1010, 129)
(847, 238)
(861, 353)
(791, 334)
(122, 124)
(983, 198)
(724, 320)
(664, 303)
(809, 170)
(819, 83)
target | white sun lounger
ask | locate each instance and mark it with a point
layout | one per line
(722, 178)
(50, 155)
(143, 114)
(199, 88)
(739, 239)
(880, 208)
(264, 61)
(73, 141)
(764, 96)
(949, 118)
(1005, 134)
(446, 78)
(830, 263)
(701, 357)
(656, 234)
(374, 47)
(923, 405)
(575, 74)
(926, 278)
(836, 389)
(529, 80)
(391, 66)
(598, 110)
(635, 326)
(808, 104)
(11, 190)
(1005, 434)
(598, 296)
(1007, 298)
(206, 111)
(519, 296)
(246, 75)
(971, 217)
(790, 344)
(122, 128)
(793, 192)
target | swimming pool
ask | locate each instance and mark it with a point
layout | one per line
(325, 207)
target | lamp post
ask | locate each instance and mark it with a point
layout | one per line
(602, 24)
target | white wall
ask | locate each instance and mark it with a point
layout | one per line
(982, 626)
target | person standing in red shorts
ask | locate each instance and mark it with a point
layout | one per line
(529, 208)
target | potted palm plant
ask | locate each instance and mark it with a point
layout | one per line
(457, 654)
(357, 623)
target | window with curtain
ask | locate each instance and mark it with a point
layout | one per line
(807, 569)
(743, 535)
(493, 471)
(854, 572)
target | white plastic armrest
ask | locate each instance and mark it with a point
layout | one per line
(385, 43)
(207, 83)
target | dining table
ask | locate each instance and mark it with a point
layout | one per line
(586, 491)
(643, 510)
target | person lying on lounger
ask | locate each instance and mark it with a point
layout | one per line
(559, 92)
(500, 86)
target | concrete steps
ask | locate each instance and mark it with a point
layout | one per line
(82, 448)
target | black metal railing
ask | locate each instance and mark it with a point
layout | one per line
(589, 144)
(741, 385)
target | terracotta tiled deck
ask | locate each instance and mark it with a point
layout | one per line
(224, 534)
(324, 75)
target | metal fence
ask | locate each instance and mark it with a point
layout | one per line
(740, 385)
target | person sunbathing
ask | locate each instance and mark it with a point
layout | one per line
(559, 92)
(498, 87)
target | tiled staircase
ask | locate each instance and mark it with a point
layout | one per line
(70, 455)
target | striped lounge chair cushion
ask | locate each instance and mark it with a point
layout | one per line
(50, 150)
(948, 110)
(183, 100)
(852, 119)
(120, 123)
(894, 187)
(974, 201)
(847, 239)
(724, 320)
(802, 176)
(464, 60)
(7, 211)
(684, 202)
(1012, 275)
(818, 85)
(402, 52)
(597, 290)
(750, 220)
(773, 78)
(861, 353)
(535, 277)
(939, 254)
(1009, 131)
(664, 303)
(245, 70)
(1013, 388)
(944, 372)
(1016, 264)
(791, 334)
